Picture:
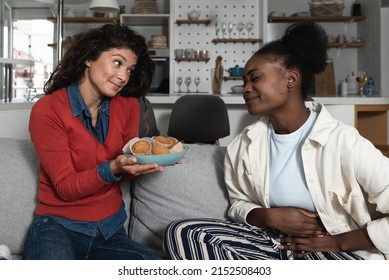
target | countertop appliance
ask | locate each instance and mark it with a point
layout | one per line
(160, 83)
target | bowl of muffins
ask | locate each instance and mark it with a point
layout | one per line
(163, 150)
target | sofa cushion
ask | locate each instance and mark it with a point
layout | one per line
(193, 189)
(19, 171)
(19, 180)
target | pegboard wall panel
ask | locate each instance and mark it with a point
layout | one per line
(200, 36)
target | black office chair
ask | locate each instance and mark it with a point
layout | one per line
(147, 123)
(199, 119)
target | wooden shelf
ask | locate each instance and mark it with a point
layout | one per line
(249, 40)
(145, 19)
(86, 19)
(191, 21)
(191, 59)
(232, 78)
(347, 45)
(316, 18)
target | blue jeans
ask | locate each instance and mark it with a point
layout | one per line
(48, 240)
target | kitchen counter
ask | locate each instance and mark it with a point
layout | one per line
(352, 100)
(236, 99)
(229, 99)
(14, 116)
(342, 108)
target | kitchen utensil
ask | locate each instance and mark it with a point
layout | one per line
(276, 14)
(179, 53)
(197, 53)
(179, 82)
(217, 77)
(240, 27)
(197, 82)
(237, 89)
(217, 28)
(224, 29)
(230, 27)
(325, 81)
(163, 160)
(236, 71)
(194, 14)
(361, 80)
(249, 26)
(204, 54)
(188, 81)
(189, 53)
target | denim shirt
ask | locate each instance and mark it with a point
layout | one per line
(112, 224)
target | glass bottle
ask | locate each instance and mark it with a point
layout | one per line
(370, 86)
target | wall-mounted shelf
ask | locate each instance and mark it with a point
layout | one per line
(249, 40)
(316, 18)
(347, 45)
(86, 19)
(191, 59)
(145, 19)
(232, 78)
(192, 21)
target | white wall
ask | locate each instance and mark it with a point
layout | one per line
(384, 51)
(14, 124)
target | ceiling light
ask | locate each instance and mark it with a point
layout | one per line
(104, 6)
(65, 1)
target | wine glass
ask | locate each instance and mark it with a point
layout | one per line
(362, 80)
(224, 28)
(240, 27)
(179, 81)
(230, 27)
(197, 82)
(217, 28)
(188, 81)
(249, 26)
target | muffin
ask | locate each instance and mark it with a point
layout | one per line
(173, 141)
(160, 150)
(161, 141)
(141, 147)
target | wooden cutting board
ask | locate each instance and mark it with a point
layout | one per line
(325, 81)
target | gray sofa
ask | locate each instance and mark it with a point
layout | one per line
(194, 188)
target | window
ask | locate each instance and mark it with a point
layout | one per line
(30, 41)
(25, 35)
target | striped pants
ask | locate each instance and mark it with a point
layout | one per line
(209, 239)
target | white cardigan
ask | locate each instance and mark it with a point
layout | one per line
(341, 169)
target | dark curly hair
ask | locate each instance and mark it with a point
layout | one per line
(89, 46)
(304, 46)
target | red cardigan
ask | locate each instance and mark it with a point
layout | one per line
(69, 155)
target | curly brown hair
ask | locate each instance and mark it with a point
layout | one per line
(89, 45)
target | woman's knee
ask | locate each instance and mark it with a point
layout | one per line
(47, 240)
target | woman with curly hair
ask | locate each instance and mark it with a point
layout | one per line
(89, 112)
